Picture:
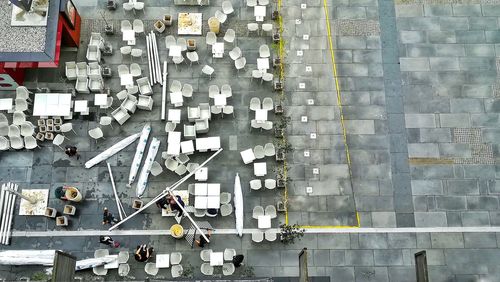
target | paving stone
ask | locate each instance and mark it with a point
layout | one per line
(421, 150)
(479, 240)
(373, 241)
(383, 219)
(420, 121)
(401, 240)
(441, 36)
(475, 218)
(444, 64)
(388, 257)
(412, 36)
(454, 120)
(466, 10)
(430, 219)
(438, 135)
(437, 10)
(414, 64)
(359, 257)
(426, 187)
(447, 240)
(364, 274)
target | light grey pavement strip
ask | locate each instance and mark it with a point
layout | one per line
(80, 233)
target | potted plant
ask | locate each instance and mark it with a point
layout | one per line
(280, 206)
(278, 107)
(288, 233)
(276, 62)
(280, 181)
(275, 15)
(278, 85)
(280, 129)
(283, 147)
(191, 44)
(111, 5)
(276, 37)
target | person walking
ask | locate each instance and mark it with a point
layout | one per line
(72, 151)
(202, 242)
(106, 240)
(143, 253)
(108, 218)
(174, 206)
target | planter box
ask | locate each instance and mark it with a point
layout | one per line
(50, 212)
(137, 204)
(276, 37)
(69, 210)
(191, 45)
(275, 15)
(280, 155)
(167, 20)
(279, 133)
(62, 221)
(280, 182)
(111, 5)
(107, 50)
(278, 86)
(280, 206)
(109, 29)
(278, 109)
(276, 62)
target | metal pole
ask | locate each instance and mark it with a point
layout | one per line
(157, 60)
(164, 91)
(121, 212)
(2, 207)
(31, 200)
(10, 216)
(168, 189)
(5, 211)
(148, 49)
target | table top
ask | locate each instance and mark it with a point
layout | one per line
(175, 51)
(200, 189)
(260, 169)
(176, 97)
(162, 260)
(187, 146)
(260, 115)
(126, 79)
(174, 115)
(216, 258)
(220, 100)
(263, 63)
(174, 137)
(201, 174)
(247, 155)
(264, 221)
(128, 35)
(6, 104)
(213, 189)
(213, 202)
(260, 11)
(101, 99)
(81, 105)
(208, 143)
(113, 264)
(200, 202)
(52, 104)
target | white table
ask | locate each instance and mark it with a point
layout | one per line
(174, 115)
(220, 100)
(174, 137)
(187, 147)
(248, 156)
(175, 51)
(126, 79)
(162, 261)
(260, 115)
(213, 189)
(200, 189)
(208, 143)
(259, 13)
(101, 99)
(200, 202)
(52, 104)
(264, 221)
(216, 258)
(201, 174)
(259, 169)
(81, 106)
(129, 36)
(6, 104)
(174, 143)
(113, 264)
(218, 49)
(263, 64)
(213, 202)
(176, 98)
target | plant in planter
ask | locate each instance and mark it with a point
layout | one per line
(276, 37)
(275, 15)
(283, 147)
(288, 233)
(278, 86)
(247, 272)
(281, 125)
(108, 28)
(188, 271)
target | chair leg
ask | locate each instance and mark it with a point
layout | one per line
(74, 131)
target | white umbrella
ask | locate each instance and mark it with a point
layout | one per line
(139, 152)
(88, 263)
(146, 168)
(112, 150)
(27, 257)
(238, 205)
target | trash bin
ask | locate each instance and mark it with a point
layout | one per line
(73, 194)
(214, 25)
(177, 231)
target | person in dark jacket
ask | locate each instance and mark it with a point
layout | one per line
(143, 253)
(106, 240)
(72, 151)
(108, 218)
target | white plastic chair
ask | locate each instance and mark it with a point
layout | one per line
(122, 95)
(177, 60)
(27, 129)
(267, 104)
(29, 143)
(181, 41)
(251, 3)
(225, 198)
(14, 130)
(94, 68)
(226, 90)
(220, 16)
(109, 103)
(228, 110)
(257, 236)
(240, 63)
(21, 105)
(227, 7)
(93, 53)
(255, 184)
(18, 118)
(258, 151)
(270, 235)
(267, 77)
(211, 38)
(215, 110)
(96, 83)
(263, 2)
(135, 70)
(257, 211)
(169, 41)
(230, 36)
(105, 120)
(270, 210)
(128, 6)
(96, 133)
(226, 209)
(176, 270)
(123, 69)
(205, 255)
(58, 140)
(187, 90)
(4, 129)
(193, 57)
(175, 258)
(136, 53)
(16, 142)
(70, 70)
(255, 103)
(235, 53)
(264, 51)
(132, 89)
(145, 103)
(151, 269)
(138, 26)
(170, 126)
(81, 69)
(23, 93)
(208, 70)
(269, 150)
(121, 115)
(123, 269)
(176, 86)
(255, 124)
(228, 269)
(252, 27)
(267, 125)
(171, 164)
(139, 6)
(130, 104)
(156, 168)
(3, 118)
(81, 85)
(207, 269)
(4, 143)
(213, 90)
(256, 74)
(267, 27)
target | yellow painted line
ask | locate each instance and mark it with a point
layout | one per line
(429, 161)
